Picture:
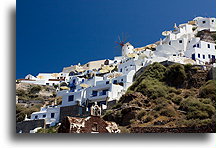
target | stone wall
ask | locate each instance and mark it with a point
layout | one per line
(90, 124)
(26, 126)
(202, 129)
(211, 73)
(72, 111)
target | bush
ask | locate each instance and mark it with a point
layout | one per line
(152, 88)
(161, 103)
(148, 119)
(117, 105)
(208, 90)
(175, 75)
(195, 122)
(53, 129)
(177, 99)
(196, 109)
(140, 114)
(21, 92)
(35, 89)
(174, 90)
(168, 111)
(155, 70)
(188, 67)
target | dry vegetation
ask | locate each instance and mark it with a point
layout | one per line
(166, 97)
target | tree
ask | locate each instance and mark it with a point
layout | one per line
(175, 75)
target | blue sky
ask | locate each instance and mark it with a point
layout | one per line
(52, 34)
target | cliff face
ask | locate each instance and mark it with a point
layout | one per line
(167, 96)
(207, 36)
(31, 97)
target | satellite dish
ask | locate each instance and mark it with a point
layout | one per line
(165, 33)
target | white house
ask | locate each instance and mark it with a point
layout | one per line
(202, 52)
(72, 98)
(205, 23)
(49, 113)
(108, 92)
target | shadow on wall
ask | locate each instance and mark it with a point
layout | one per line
(76, 137)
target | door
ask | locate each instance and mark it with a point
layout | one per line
(193, 57)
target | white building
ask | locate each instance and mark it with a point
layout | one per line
(43, 79)
(205, 23)
(49, 113)
(202, 52)
(107, 92)
(127, 48)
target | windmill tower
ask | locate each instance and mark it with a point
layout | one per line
(126, 48)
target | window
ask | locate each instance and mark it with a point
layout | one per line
(87, 65)
(169, 42)
(174, 55)
(180, 41)
(203, 22)
(193, 57)
(74, 80)
(212, 20)
(122, 80)
(198, 55)
(104, 92)
(121, 70)
(36, 116)
(209, 56)
(115, 82)
(208, 45)
(52, 115)
(47, 83)
(198, 45)
(107, 82)
(44, 115)
(194, 46)
(203, 56)
(94, 93)
(95, 127)
(70, 98)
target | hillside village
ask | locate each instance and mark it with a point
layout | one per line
(99, 96)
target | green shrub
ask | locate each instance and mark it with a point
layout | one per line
(174, 90)
(175, 75)
(155, 70)
(53, 129)
(152, 88)
(117, 105)
(208, 90)
(177, 99)
(140, 114)
(188, 67)
(35, 89)
(196, 109)
(148, 119)
(195, 122)
(168, 111)
(21, 92)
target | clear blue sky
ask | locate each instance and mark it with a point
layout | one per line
(52, 34)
